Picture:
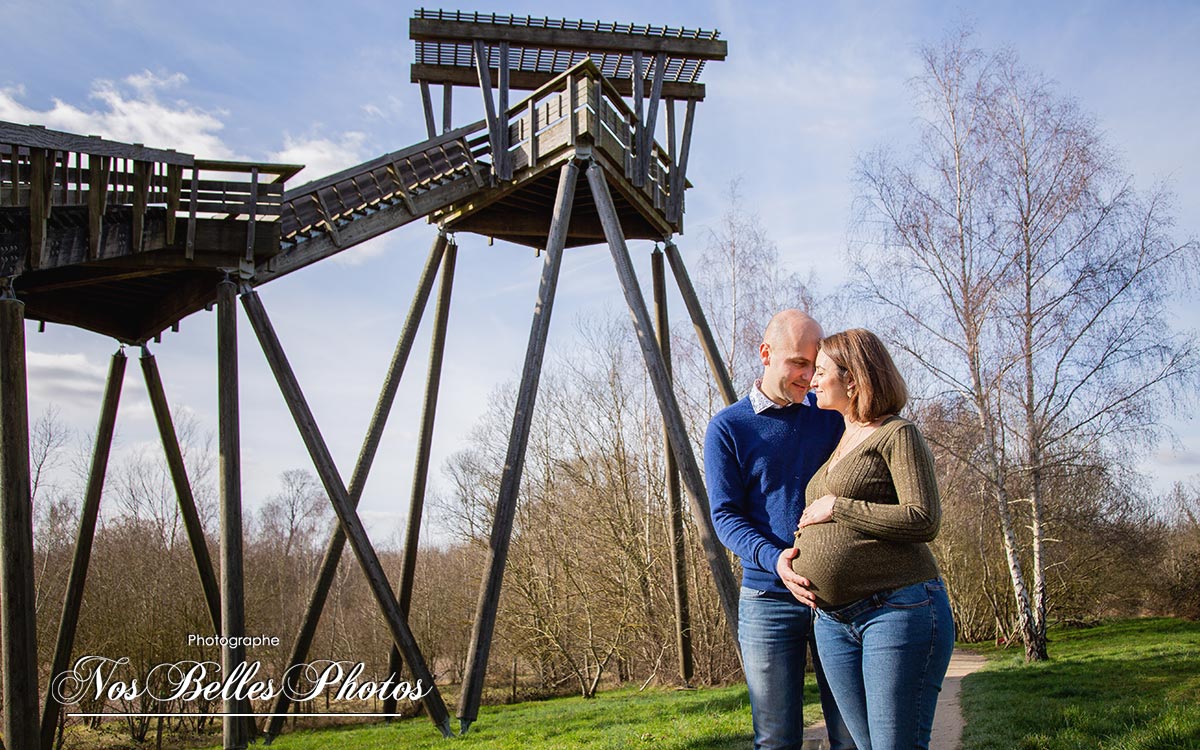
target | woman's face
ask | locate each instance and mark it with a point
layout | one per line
(828, 385)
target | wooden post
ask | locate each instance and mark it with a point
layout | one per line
(183, 488)
(412, 533)
(683, 622)
(73, 599)
(646, 144)
(383, 408)
(17, 603)
(489, 109)
(707, 342)
(427, 107)
(99, 168)
(681, 444)
(233, 612)
(41, 181)
(514, 461)
(679, 171)
(141, 199)
(447, 105)
(502, 85)
(350, 522)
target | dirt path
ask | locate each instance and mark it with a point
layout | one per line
(947, 723)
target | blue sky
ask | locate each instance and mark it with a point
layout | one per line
(807, 87)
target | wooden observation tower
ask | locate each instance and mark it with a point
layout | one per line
(126, 241)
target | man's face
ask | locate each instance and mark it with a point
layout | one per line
(788, 365)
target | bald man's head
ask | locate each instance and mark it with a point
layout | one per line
(788, 350)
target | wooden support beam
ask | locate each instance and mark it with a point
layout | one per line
(14, 187)
(489, 107)
(190, 248)
(19, 649)
(183, 488)
(351, 525)
(447, 106)
(514, 462)
(708, 342)
(358, 480)
(233, 612)
(41, 185)
(416, 507)
(73, 599)
(174, 198)
(98, 168)
(681, 444)
(639, 94)
(502, 108)
(683, 621)
(645, 147)
(252, 210)
(141, 199)
(679, 174)
(427, 107)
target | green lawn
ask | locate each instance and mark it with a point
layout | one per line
(1125, 685)
(703, 719)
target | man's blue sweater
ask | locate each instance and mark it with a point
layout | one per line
(756, 467)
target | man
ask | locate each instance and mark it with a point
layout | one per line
(759, 454)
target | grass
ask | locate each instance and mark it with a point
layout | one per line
(659, 718)
(1124, 685)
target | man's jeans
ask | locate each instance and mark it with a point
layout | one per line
(885, 657)
(775, 632)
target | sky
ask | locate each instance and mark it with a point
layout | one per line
(807, 88)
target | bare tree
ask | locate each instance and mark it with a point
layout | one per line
(1019, 269)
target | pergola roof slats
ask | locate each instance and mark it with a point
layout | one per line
(541, 48)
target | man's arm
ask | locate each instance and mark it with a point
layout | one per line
(727, 498)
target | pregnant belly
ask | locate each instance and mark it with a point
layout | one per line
(833, 558)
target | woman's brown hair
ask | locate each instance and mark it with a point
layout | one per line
(875, 387)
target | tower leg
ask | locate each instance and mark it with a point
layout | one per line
(514, 461)
(703, 331)
(683, 623)
(681, 445)
(17, 623)
(412, 534)
(73, 599)
(183, 488)
(233, 611)
(366, 456)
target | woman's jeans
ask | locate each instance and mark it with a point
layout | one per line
(775, 633)
(885, 657)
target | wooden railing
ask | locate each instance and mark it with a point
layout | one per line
(41, 169)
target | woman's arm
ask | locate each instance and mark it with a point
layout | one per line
(918, 512)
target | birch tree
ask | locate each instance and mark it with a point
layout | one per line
(1018, 267)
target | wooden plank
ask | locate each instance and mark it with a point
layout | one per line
(646, 144)
(432, 30)
(523, 80)
(35, 136)
(485, 87)
(99, 167)
(447, 106)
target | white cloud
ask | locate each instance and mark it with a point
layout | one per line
(130, 110)
(56, 378)
(321, 155)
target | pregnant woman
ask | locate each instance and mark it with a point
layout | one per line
(884, 627)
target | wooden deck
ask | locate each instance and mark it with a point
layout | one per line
(126, 241)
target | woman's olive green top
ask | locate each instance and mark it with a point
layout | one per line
(887, 508)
